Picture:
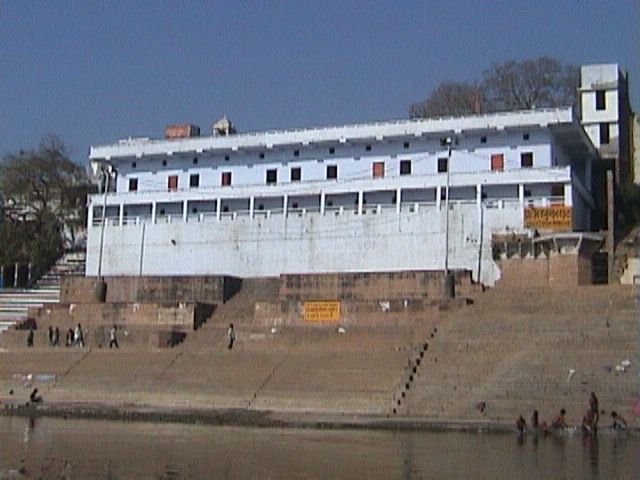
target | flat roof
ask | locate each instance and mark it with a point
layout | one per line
(376, 131)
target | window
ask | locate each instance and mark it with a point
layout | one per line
(172, 183)
(164, 163)
(525, 136)
(332, 151)
(497, 162)
(526, 160)
(483, 139)
(601, 100)
(405, 167)
(442, 164)
(194, 180)
(557, 190)
(133, 184)
(367, 148)
(296, 174)
(261, 155)
(332, 172)
(405, 145)
(272, 176)
(378, 169)
(226, 158)
(195, 160)
(134, 164)
(296, 153)
(225, 179)
(604, 134)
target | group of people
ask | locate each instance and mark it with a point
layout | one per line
(589, 420)
(73, 338)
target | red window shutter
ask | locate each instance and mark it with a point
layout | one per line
(173, 183)
(497, 162)
(378, 169)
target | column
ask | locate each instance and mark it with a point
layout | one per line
(252, 201)
(185, 210)
(360, 201)
(218, 208)
(438, 196)
(521, 195)
(398, 199)
(568, 197)
(322, 202)
(121, 214)
(90, 216)
(285, 205)
(154, 209)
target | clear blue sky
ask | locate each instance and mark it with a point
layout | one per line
(93, 72)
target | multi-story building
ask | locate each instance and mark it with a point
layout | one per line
(353, 198)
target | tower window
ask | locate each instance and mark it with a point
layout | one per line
(194, 180)
(272, 176)
(405, 167)
(332, 151)
(296, 174)
(225, 179)
(172, 183)
(526, 160)
(405, 145)
(133, 184)
(296, 153)
(332, 172)
(378, 169)
(443, 164)
(601, 100)
(604, 134)
(195, 160)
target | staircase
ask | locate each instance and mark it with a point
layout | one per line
(15, 303)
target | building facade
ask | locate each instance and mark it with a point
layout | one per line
(354, 198)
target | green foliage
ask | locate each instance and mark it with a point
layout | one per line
(628, 206)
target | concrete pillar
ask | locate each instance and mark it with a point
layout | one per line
(121, 214)
(218, 208)
(610, 228)
(90, 216)
(568, 198)
(285, 205)
(398, 199)
(252, 202)
(154, 210)
(185, 210)
(322, 202)
(438, 196)
(521, 195)
(360, 201)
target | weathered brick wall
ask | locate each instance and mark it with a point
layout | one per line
(376, 286)
(69, 315)
(207, 289)
(556, 271)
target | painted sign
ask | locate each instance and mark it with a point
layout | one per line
(555, 217)
(321, 311)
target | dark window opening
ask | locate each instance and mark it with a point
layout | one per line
(525, 136)
(172, 183)
(294, 205)
(260, 206)
(226, 158)
(272, 176)
(261, 155)
(162, 211)
(164, 163)
(329, 203)
(601, 100)
(332, 172)
(195, 160)
(194, 180)
(194, 210)
(405, 167)
(133, 184)
(443, 164)
(296, 174)
(296, 153)
(368, 148)
(483, 139)
(332, 151)
(557, 190)
(405, 145)
(134, 165)
(527, 192)
(526, 160)
(604, 134)
(226, 179)
(225, 209)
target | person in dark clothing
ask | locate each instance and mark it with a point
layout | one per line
(30, 338)
(535, 423)
(595, 412)
(69, 339)
(521, 425)
(50, 334)
(56, 337)
(560, 421)
(231, 335)
(34, 397)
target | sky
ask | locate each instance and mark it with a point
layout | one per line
(93, 72)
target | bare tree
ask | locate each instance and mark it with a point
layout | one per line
(450, 98)
(538, 83)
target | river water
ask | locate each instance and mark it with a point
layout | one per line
(86, 449)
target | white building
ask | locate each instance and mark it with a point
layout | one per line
(606, 115)
(367, 197)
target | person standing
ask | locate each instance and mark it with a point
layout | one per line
(595, 411)
(231, 335)
(113, 339)
(56, 337)
(30, 338)
(78, 337)
(51, 336)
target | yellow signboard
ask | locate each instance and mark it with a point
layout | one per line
(555, 217)
(321, 311)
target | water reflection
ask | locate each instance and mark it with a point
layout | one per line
(53, 448)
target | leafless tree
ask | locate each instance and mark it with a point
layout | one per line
(450, 99)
